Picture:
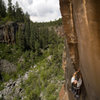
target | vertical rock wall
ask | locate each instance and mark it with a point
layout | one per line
(8, 32)
(81, 22)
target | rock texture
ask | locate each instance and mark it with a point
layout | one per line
(58, 30)
(81, 21)
(8, 32)
(7, 67)
(13, 89)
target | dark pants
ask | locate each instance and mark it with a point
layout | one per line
(75, 90)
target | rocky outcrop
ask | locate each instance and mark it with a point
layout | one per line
(8, 32)
(7, 67)
(12, 88)
(81, 26)
(59, 30)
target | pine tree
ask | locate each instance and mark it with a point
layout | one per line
(10, 10)
(27, 31)
(13, 13)
(45, 38)
(19, 13)
(37, 47)
(2, 9)
(32, 38)
(21, 39)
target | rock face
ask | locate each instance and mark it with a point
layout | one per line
(8, 32)
(81, 26)
(59, 30)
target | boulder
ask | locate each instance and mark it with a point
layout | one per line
(7, 67)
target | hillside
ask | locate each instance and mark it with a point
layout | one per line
(30, 56)
(39, 65)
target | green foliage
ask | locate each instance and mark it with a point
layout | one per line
(2, 9)
(19, 15)
(49, 92)
(1, 86)
(20, 39)
(51, 23)
(17, 98)
(13, 13)
(2, 98)
(44, 78)
(27, 31)
(33, 47)
(9, 52)
(51, 88)
(10, 9)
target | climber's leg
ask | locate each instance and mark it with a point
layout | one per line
(73, 89)
(77, 93)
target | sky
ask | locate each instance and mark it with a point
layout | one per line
(40, 10)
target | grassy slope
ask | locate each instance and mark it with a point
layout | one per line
(48, 75)
(46, 80)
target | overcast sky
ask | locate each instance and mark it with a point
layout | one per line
(40, 10)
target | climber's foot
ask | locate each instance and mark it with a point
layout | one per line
(77, 96)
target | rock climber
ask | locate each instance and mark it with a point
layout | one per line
(76, 82)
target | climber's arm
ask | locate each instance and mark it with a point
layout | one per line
(72, 79)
